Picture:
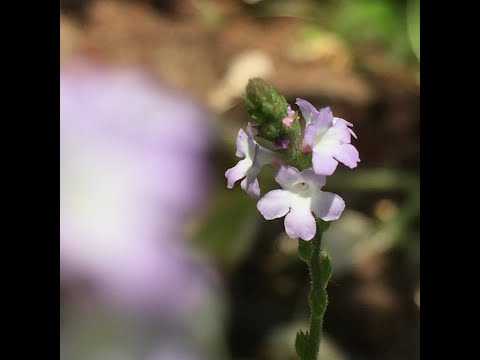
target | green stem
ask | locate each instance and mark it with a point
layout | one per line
(316, 320)
(320, 267)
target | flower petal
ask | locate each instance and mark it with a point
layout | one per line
(300, 223)
(352, 133)
(250, 183)
(242, 144)
(315, 180)
(319, 127)
(339, 133)
(262, 156)
(274, 204)
(309, 136)
(348, 155)
(287, 176)
(323, 163)
(349, 124)
(335, 119)
(324, 117)
(327, 206)
(290, 112)
(309, 111)
(237, 172)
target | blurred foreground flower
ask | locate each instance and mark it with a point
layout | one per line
(132, 171)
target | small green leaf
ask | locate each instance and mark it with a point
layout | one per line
(318, 302)
(305, 250)
(323, 225)
(302, 345)
(325, 268)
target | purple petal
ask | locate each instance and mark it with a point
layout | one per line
(309, 111)
(262, 156)
(309, 176)
(347, 123)
(309, 137)
(250, 184)
(236, 173)
(287, 121)
(274, 204)
(323, 164)
(327, 206)
(339, 133)
(287, 176)
(324, 117)
(242, 144)
(300, 223)
(348, 155)
(320, 126)
(290, 112)
(335, 119)
(353, 134)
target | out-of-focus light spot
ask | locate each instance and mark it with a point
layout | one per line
(243, 67)
(385, 209)
(416, 297)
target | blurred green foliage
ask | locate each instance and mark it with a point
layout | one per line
(393, 25)
(414, 25)
(228, 229)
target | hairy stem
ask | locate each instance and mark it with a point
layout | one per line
(320, 267)
(316, 320)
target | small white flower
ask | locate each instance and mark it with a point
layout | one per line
(300, 196)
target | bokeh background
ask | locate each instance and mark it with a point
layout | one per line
(158, 259)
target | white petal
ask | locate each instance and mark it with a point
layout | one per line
(237, 172)
(327, 206)
(348, 155)
(250, 183)
(242, 144)
(299, 222)
(323, 163)
(287, 176)
(275, 204)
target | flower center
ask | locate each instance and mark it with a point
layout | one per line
(302, 185)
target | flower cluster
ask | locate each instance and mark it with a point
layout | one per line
(326, 142)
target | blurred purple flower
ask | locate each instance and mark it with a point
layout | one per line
(173, 353)
(329, 138)
(133, 168)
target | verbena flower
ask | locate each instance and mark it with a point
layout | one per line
(300, 196)
(329, 138)
(255, 155)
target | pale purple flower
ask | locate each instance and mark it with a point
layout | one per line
(329, 139)
(300, 196)
(247, 169)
